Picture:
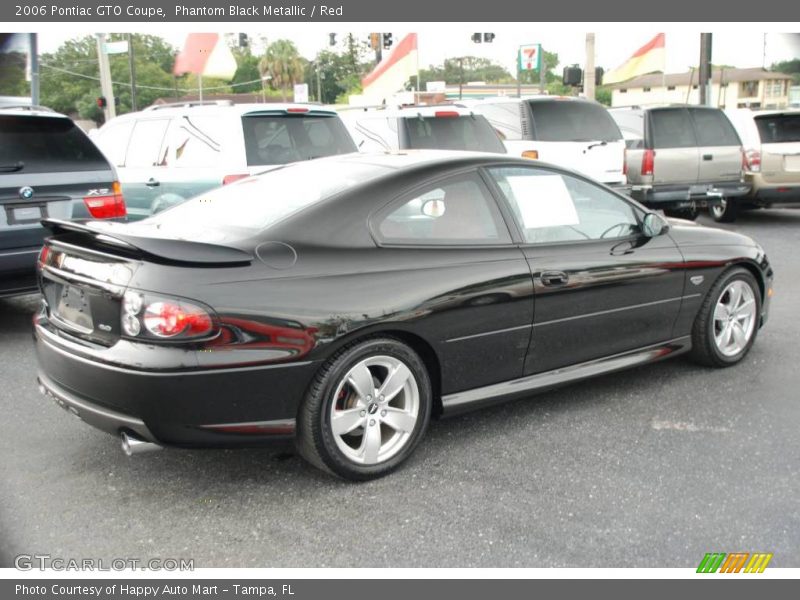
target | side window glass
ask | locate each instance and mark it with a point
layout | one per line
(193, 142)
(146, 143)
(457, 211)
(552, 207)
(113, 141)
(714, 129)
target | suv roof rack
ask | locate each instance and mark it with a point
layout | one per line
(30, 107)
(190, 104)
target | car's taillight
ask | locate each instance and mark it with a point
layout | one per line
(107, 206)
(43, 255)
(297, 109)
(648, 161)
(751, 160)
(447, 114)
(145, 315)
(532, 154)
(231, 178)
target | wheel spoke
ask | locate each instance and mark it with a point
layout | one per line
(360, 378)
(735, 296)
(394, 382)
(371, 444)
(721, 312)
(739, 338)
(345, 421)
(400, 420)
(744, 309)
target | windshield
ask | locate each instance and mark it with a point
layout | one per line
(282, 139)
(567, 121)
(779, 129)
(467, 132)
(251, 205)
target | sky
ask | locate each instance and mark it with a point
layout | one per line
(736, 45)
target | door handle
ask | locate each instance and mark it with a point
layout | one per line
(553, 278)
(708, 157)
(152, 182)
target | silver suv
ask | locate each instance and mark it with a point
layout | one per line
(681, 158)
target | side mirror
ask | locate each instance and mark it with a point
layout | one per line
(653, 225)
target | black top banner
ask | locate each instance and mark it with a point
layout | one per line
(156, 11)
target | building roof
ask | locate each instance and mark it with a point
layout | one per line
(692, 77)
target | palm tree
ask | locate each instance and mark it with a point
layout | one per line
(282, 65)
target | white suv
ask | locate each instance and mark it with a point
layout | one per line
(166, 154)
(442, 127)
(575, 133)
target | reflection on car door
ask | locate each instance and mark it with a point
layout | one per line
(600, 287)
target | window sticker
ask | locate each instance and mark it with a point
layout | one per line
(543, 201)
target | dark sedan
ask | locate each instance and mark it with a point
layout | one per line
(346, 301)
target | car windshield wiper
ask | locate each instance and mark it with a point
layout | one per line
(18, 166)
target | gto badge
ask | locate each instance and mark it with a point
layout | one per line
(26, 192)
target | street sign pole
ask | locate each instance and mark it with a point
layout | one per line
(105, 78)
(519, 72)
(133, 73)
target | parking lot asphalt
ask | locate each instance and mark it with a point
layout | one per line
(652, 467)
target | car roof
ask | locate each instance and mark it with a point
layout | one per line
(409, 111)
(536, 98)
(215, 108)
(27, 110)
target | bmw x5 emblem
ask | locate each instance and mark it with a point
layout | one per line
(26, 192)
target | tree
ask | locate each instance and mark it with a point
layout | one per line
(464, 69)
(246, 71)
(340, 73)
(790, 67)
(12, 74)
(282, 65)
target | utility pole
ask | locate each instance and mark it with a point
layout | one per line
(105, 78)
(34, 60)
(519, 72)
(133, 72)
(588, 71)
(542, 71)
(704, 84)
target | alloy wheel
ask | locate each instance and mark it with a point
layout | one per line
(734, 318)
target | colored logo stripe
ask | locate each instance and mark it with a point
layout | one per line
(733, 563)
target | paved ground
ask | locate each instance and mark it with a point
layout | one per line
(650, 468)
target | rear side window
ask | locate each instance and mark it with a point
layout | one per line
(672, 128)
(282, 139)
(566, 121)
(631, 124)
(714, 128)
(145, 147)
(113, 140)
(467, 132)
(779, 129)
(196, 142)
(47, 145)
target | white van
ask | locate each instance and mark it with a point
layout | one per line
(575, 133)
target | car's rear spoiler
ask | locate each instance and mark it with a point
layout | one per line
(168, 249)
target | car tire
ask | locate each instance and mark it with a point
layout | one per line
(690, 214)
(724, 212)
(728, 320)
(346, 427)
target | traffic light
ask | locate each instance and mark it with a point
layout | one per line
(488, 38)
(598, 75)
(332, 41)
(387, 40)
(477, 37)
(102, 102)
(374, 40)
(572, 75)
(243, 41)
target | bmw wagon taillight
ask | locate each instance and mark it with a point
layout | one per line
(107, 206)
(149, 316)
(648, 161)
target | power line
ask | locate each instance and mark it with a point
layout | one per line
(149, 87)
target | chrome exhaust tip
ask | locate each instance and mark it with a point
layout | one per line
(133, 445)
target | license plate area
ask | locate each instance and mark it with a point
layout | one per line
(25, 214)
(698, 190)
(73, 308)
(791, 162)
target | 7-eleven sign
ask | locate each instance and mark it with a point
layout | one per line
(530, 57)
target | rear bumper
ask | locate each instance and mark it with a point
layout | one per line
(173, 406)
(773, 193)
(687, 196)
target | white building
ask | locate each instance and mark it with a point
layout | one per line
(731, 88)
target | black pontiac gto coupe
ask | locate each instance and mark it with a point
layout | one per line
(345, 301)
